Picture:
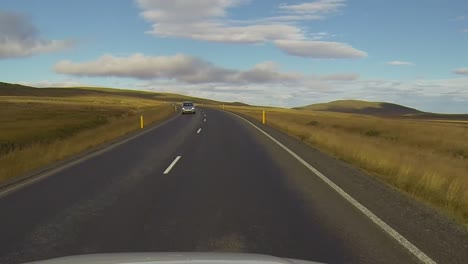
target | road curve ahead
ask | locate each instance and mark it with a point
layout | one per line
(203, 182)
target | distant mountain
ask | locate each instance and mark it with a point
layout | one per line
(363, 107)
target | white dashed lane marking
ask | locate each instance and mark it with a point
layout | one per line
(172, 165)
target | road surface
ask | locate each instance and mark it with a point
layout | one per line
(213, 182)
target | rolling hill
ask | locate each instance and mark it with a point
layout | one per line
(363, 107)
(7, 89)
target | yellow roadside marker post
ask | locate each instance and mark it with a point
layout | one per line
(264, 117)
(141, 121)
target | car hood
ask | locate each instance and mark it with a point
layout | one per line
(174, 258)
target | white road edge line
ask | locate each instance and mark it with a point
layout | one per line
(379, 222)
(172, 165)
(198, 132)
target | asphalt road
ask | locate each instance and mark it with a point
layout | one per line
(215, 183)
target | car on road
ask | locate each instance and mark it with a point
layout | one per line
(188, 107)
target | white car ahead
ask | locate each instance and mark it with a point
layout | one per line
(188, 108)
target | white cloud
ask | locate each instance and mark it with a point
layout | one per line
(319, 7)
(265, 83)
(202, 20)
(207, 20)
(182, 68)
(461, 20)
(320, 35)
(219, 32)
(259, 94)
(444, 95)
(462, 71)
(340, 77)
(187, 71)
(180, 11)
(436, 95)
(19, 38)
(319, 49)
(400, 63)
(267, 72)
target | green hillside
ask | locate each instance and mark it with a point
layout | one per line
(7, 89)
(362, 107)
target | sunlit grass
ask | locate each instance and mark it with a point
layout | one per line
(37, 131)
(351, 104)
(426, 160)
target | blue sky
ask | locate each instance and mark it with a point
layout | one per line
(283, 53)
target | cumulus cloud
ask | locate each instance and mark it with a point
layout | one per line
(320, 35)
(202, 20)
(267, 72)
(260, 94)
(179, 67)
(462, 71)
(207, 20)
(319, 7)
(340, 77)
(443, 95)
(188, 70)
(400, 63)
(266, 83)
(20, 38)
(184, 11)
(217, 32)
(319, 49)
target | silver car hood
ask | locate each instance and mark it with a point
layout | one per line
(173, 258)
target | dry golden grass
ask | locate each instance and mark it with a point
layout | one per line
(37, 131)
(43, 125)
(350, 104)
(426, 160)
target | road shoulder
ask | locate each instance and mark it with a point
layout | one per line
(428, 229)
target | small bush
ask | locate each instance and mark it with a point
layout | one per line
(372, 133)
(460, 153)
(302, 137)
(7, 147)
(313, 123)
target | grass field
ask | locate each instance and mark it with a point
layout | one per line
(351, 104)
(428, 160)
(92, 93)
(39, 127)
(42, 125)
(362, 107)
